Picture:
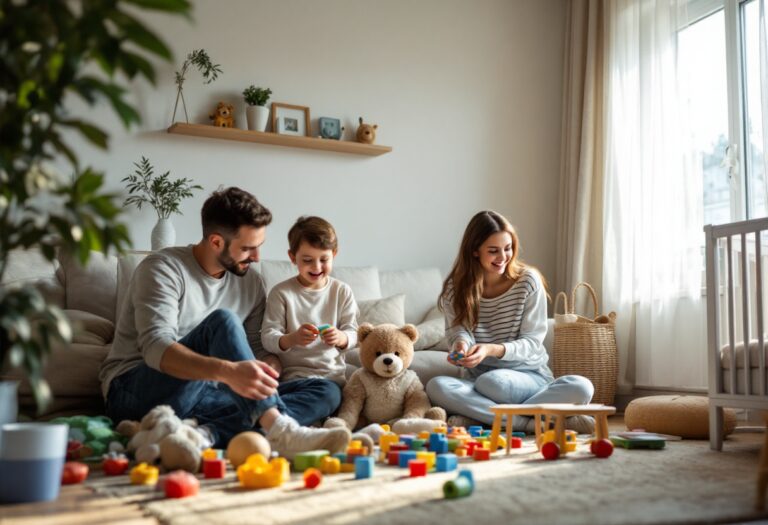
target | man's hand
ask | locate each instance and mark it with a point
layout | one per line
(334, 337)
(251, 379)
(274, 361)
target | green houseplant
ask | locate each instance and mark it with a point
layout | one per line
(256, 112)
(160, 192)
(50, 50)
(210, 71)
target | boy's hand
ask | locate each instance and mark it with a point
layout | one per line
(274, 362)
(459, 347)
(305, 335)
(334, 337)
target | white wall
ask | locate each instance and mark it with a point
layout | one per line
(468, 93)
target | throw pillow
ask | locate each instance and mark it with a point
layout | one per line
(432, 332)
(379, 311)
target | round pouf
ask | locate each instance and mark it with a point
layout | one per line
(684, 416)
(244, 444)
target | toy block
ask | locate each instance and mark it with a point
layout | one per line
(210, 453)
(329, 465)
(399, 446)
(475, 430)
(461, 451)
(440, 430)
(446, 462)
(418, 468)
(387, 440)
(404, 457)
(214, 468)
(518, 434)
(393, 457)
(457, 488)
(438, 443)
(418, 444)
(144, 474)
(481, 454)
(312, 478)
(424, 434)
(347, 467)
(429, 457)
(471, 446)
(407, 438)
(180, 484)
(386, 428)
(305, 460)
(363, 467)
(355, 443)
(453, 444)
(281, 467)
(341, 457)
(516, 442)
(485, 444)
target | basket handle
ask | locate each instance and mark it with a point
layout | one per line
(591, 292)
(565, 302)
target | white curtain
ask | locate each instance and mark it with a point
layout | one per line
(763, 32)
(652, 202)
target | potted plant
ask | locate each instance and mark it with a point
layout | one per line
(160, 192)
(210, 71)
(256, 112)
(53, 50)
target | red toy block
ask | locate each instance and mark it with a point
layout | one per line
(399, 446)
(180, 484)
(472, 446)
(516, 442)
(418, 467)
(214, 468)
(115, 466)
(481, 454)
(393, 457)
(312, 478)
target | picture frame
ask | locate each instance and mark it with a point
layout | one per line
(290, 119)
(329, 128)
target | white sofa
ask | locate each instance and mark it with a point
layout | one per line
(91, 296)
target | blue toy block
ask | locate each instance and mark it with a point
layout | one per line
(475, 430)
(363, 467)
(466, 473)
(405, 456)
(518, 434)
(438, 443)
(407, 439)
(446, 462)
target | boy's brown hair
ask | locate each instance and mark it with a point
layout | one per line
(315, 231)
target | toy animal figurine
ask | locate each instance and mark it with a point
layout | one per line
(366, 133)
(223, 116)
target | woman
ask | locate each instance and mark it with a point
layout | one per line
(496, 317)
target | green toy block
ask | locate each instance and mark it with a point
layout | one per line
(638, 442)
(453, 444)
(305, 460)
(418, 444)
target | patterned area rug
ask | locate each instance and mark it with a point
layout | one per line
(684, 483)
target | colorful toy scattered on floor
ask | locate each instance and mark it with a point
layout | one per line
(144, 474)
(74, 472)
(461, 487)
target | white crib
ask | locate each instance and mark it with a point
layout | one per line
(736, 260)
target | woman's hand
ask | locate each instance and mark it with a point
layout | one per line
(459, 350)
(476, 353)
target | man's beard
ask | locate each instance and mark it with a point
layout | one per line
(229, 263)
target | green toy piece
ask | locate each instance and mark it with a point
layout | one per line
(93, 433)
(305, 460)
(639, 442)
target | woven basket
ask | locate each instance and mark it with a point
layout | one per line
(586, 347)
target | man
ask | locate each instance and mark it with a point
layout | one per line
(189, 329)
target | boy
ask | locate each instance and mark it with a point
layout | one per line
(309, 321)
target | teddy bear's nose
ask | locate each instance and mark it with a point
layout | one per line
(387, 361)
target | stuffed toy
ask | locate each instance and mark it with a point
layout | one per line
(366, 133)
(162, 436)
(223, 116)
(383, 390)
(90, 436)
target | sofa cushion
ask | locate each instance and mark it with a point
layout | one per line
(379, 311)
(30, 267)
(90, 328)
(421, 288)
(93, 287)
(72, 370)
(432, 332)
(126, 265)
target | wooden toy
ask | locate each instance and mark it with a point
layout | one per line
(144, 474)
(114, 464)
(246, 444)
(214, 468)
(363, 467)
(305, 460)
(446, 462)
(312, 478)
(74, 472)
(330, 465)
(417, 467)
(570, 440)
(180, 484)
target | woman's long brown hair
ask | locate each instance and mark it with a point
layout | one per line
(466, 276)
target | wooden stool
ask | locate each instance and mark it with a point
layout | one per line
(762, 471)
(543, 414)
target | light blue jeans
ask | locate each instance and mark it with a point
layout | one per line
(473, 397)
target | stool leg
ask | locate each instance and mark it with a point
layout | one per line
(495, 430)
(510, 417)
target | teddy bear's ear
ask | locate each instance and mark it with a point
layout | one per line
(410, 331)
(363, 330)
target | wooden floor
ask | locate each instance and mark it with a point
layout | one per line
(77, 505)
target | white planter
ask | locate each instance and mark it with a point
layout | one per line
(257, 117)
(31, 461)
(163, 234)
(9, 406)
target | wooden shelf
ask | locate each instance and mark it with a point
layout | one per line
(275, 139)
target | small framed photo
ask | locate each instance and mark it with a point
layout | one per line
(330, 128)
(289, 119)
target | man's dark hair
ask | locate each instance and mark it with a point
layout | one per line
(225, 211)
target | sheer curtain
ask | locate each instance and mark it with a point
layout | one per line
(652, 232)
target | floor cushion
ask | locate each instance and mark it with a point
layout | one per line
(678, 415)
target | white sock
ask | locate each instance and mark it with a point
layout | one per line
(289, 438)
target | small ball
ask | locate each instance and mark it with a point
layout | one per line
(244, 444)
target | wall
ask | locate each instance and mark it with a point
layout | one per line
(467, 93)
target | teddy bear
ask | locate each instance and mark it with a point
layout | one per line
(383, 389)
(366, 133)
(163, 436)
(223, 116)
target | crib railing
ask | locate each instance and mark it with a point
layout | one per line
(736, 258)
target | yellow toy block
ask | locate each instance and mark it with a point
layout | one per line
(387, 440)
(347, 467)
(330, 465)
(143, 474)
(429, 457)
(283, 466)
(355, 443)
(440, 430)
(386, 428)
(256, 473)
(210, 453)
(424, 434)
(486, 444)
(461, 452)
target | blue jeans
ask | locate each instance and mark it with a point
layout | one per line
(225, 413)
(310, 400)
(505, 386)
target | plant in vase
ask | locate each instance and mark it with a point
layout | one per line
(256, 112)
(160, 192)
(210, 71)
(51, 51)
